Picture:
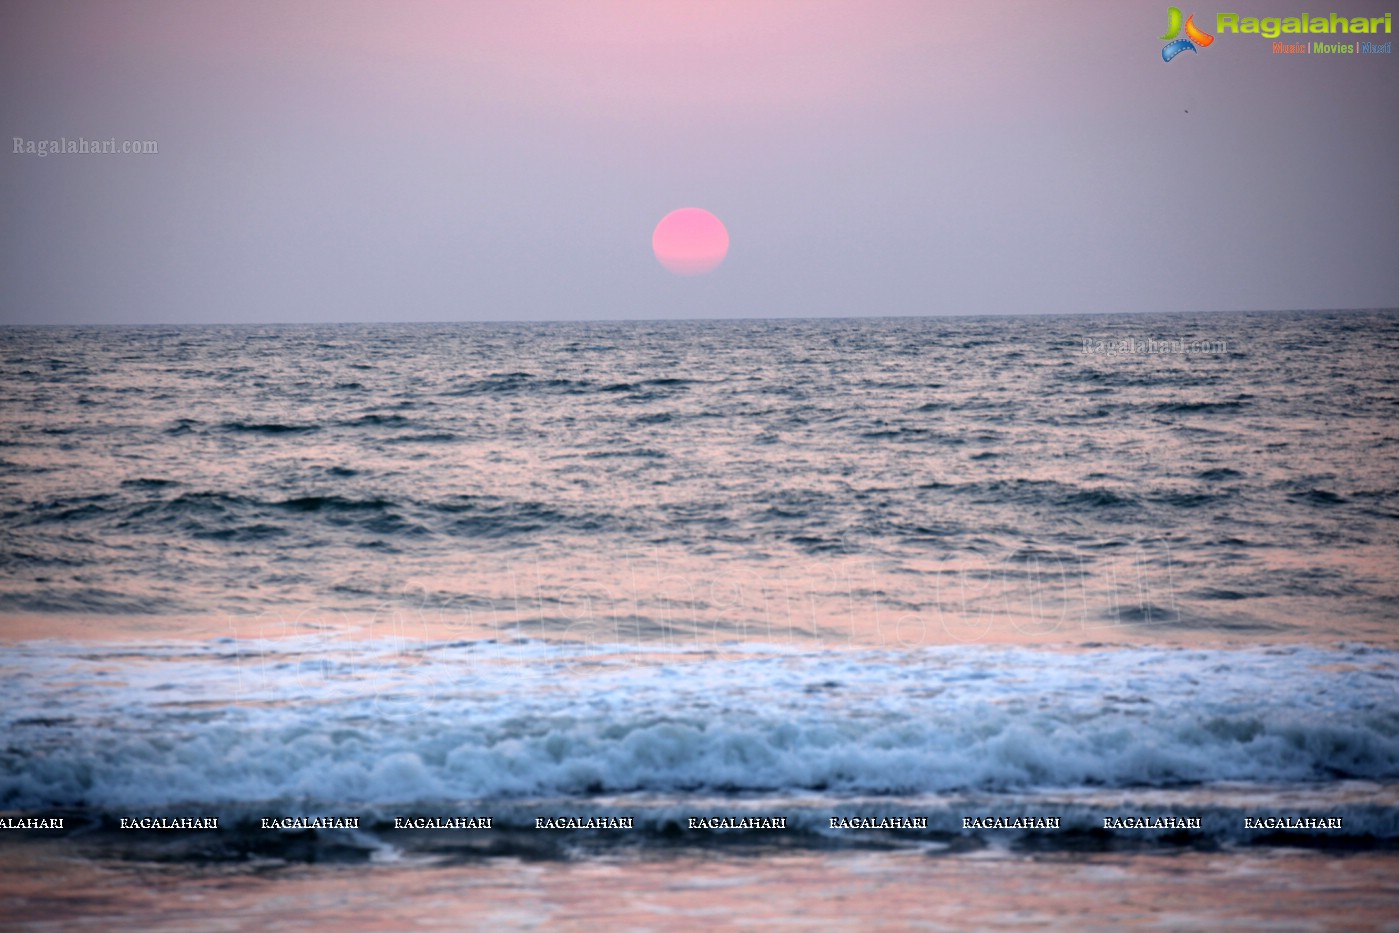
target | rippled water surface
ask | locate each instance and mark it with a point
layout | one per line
(947, 568)
(905, 481)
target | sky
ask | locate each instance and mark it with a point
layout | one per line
(341, 160)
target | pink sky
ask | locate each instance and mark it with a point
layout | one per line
(327, 160)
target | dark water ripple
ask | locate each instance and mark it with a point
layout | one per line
(155, 469)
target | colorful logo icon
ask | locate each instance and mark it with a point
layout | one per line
(1175, 46)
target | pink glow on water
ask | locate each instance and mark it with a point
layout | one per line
(825, 891)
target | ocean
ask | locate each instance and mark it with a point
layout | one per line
(1024, 623)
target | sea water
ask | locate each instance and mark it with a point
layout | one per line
(945, 570)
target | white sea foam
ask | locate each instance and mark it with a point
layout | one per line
(228, 723)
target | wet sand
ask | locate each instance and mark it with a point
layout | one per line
(1264, 890)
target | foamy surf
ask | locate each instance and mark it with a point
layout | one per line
(522, 728)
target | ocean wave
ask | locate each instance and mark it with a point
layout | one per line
(472, 721)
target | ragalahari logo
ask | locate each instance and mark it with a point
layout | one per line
(1175, 46)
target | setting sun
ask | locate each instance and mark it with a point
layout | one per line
(690, 241)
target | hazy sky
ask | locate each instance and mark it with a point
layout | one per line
(324, 160)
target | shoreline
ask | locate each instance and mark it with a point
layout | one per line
(830, 891)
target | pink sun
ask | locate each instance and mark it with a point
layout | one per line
(690, 241)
